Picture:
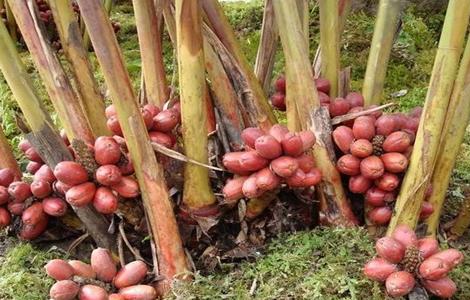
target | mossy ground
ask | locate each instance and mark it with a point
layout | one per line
(320, 264)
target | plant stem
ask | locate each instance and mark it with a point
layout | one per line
(304, 14)
(172, 260)
(428, 137)
(462, 222)
(71, 39)
(301, 88)
(55, 80)
(156, 87)
(456, 121)
(11, 23)
(7, 159)
(388, 17)
(108, 5)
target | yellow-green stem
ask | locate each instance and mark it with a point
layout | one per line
(11, 23)
(7, 159)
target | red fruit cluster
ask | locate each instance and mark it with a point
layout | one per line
(403, 260)
(125, 283)
(270, 159)
(376, 149)
(160, 124)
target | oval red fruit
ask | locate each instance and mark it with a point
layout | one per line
(131, 274)
(59, 269)
(364, 128)
(379, 269)
(233, 189)
(268, 147)
(434, 268)
(64, 290)
(390, 249)
(380, 215)
(359, 184)
(166, 120)
(444, 287)
(405, 235)
(266, 180)
(105, 201)
(349, 165)
(81, 195)
(399, 284)
(55, 207)
(284, 166)
(249, 136)
(361, 148)
(108, 175)
(343, 137)
(372, 167)
(107, 151)
(292, 145)
(428, 246)
(70, 173)
(388, 182)
(103, 264)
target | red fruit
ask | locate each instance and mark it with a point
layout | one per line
(416, 112)
(250, 188)
(375, 197)
(107, 151)
(399, 284)
(375, 114)
(45, 173)
(7, 176)
(166, 120)
(251, 161)
(390, 249)
(284, 166)
(361, 148)
(278, 100)
(426, 210)
(323, 85)
(108, 175)
(113, 124)
(32, 231)
(400, 119)
(385, 125)
(148, 118)
(359, 184)
(266, 180)
(110, 111)
(24, 145)
(92, 292)
(139, 292)
(268, 147)
(127, 187)
(231, 162)
(379, 269)
(131, 274)
(82, 269)
(5, 218)
(444, 287)
(280, 84)
(297, 179)
(41, 189)
(390, 197)
(16, 208)
(428, 246)
(380, 215)
(434, 268)
(308, 139)
(292, 145)
(105, 201)
(451, 256)
(408, 152)
(324, 98)
(60, 187)
(372, 167)
(70, 173)
(233, 189)
(103, 264)
(55, 207)
(59, 269)
(32, 167)
(394, 162)
(339, 107)
(343, 137)
(249, 136)
(32, 155)
(4, 195)
(428, 192)
(126, 168)
(64, 290)
(161, 138)
(152, 108)
(349, 165)
(121, 141)
(116, 297)
(306, 162)
(397, 141)
(278, 131)
(364, 128)
(81, 195)
(388, 182)
(19, 191)
(355, 99)
(411, 125)
(312, 178)
(405, 235)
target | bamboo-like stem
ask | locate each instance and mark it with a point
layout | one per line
(71, 39)
(169, 17)
(428, 137)
(456, 121)
(388, 17)
(172, 260)
(329, 42)
(55, 80)
(462, 222)
(218, 21)
(267, 47)
(299, 87)
(304, 15)
(42, 128)
(11, 23)
(197, 190)
(156, 87)
(108, 5)
(7, 159)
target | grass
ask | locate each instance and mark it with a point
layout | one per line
(321, 264)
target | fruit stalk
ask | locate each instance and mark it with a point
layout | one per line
(172, 261)
(52, 74)
(329, 43)
(156, 87)
(456, 120)
(428, 137)
(462, 222)
(7, 159)
(386, 25)
(87, 87)
(301, 88)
